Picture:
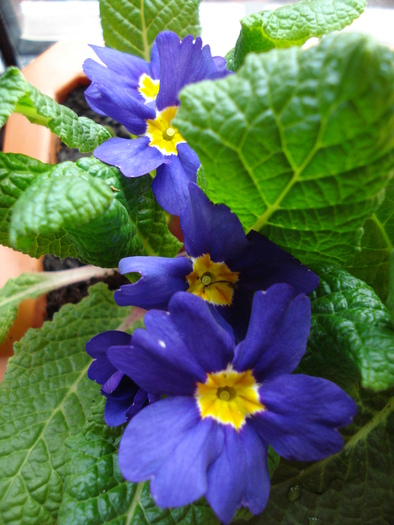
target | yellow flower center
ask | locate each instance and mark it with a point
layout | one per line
(162, 134)
(148, 87)
(229, 397)
(213, 281)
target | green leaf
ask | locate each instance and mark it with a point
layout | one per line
(299, 144)
(146, 220)
(390, 300)
(86, 210)
(44, 399)
(350, 338)
(371, 264)
(17, 173)
(18, 95)
(96, 493)
(293, 25)
(344, 489)
(32, 285)
(65, 199)
(132, 25)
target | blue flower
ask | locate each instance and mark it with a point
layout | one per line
(224, 267)
(122, 94)
(124, 78)
(124, 397)
(225, 404)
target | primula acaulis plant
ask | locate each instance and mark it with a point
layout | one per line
(243, 371)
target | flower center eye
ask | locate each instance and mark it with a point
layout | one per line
(212, 281)
(169, 134)
(226, 393)
(161, 132)
(206, 279)
(229, 397)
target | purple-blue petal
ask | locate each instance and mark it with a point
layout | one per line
(159, 361)
(277, 334)
(238, 314)
(128, 66)
(153, 434)
(153, 370)
(114, 97)
(170, 186)
(264, 264)
(189, 160)
(210, 228)
(160, 278)
(154, 62)
(139, 400)
(209, 343)
(93, 98)
(112, 383)
(101, 369)
(177, 349)
(220, 63)
(302, 416)
(134, 158)
(182, 477)
(257, 487)
(121, 393)
(182, 63)
(227, 477)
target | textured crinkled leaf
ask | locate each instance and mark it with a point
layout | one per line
(96, 493)
(86, 210)
(293, 25)
(372, 263)
(65, 199)
(146, 219)
(349, 488)
(17, 95)
(350, 333)
(299, 144)
(132, 25)
(45, 398)
(17, 173)
(32, 285)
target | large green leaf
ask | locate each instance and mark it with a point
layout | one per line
(293, 25)
(32, 285)
(45, 398)
(353, 487)
(87, 209)
(299, 144)
(351, 337)
(371, 264)
(18, 95)
(132, 25)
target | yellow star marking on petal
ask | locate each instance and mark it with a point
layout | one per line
(212, 281)
(229, 397)
(162, 134)
(148, 87)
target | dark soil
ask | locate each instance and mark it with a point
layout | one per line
(76, 292)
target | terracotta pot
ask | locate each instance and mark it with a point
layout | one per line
(55, 73)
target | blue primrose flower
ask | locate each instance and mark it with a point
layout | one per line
(224, 266)
(124, 397)
(225, 403)
(144, 98)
